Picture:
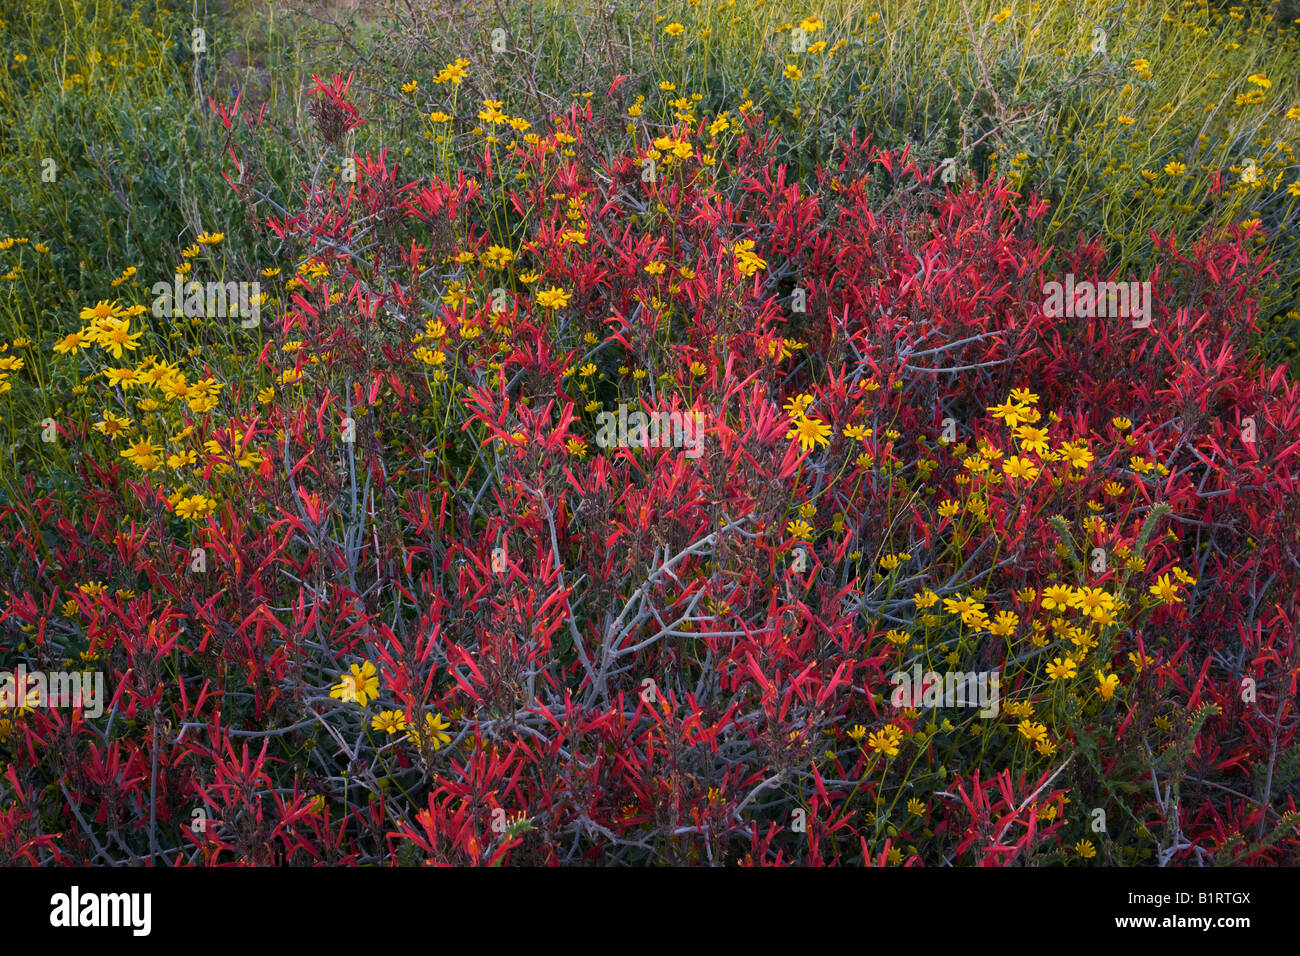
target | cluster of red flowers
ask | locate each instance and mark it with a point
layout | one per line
(639, 656)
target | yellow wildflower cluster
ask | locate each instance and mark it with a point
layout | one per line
(747, 261)
(810, 432)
